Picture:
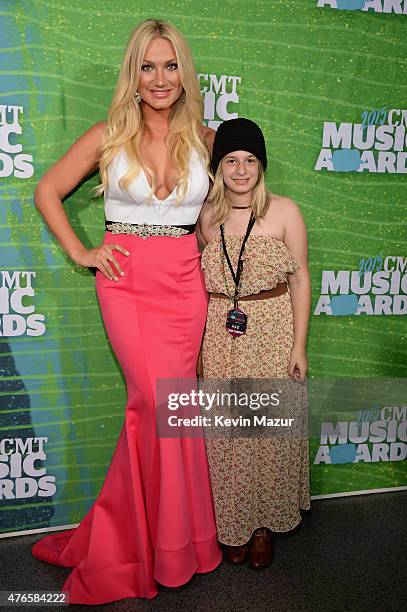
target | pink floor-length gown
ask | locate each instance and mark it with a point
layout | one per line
(153, 520)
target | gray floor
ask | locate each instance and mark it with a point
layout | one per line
(348, 555)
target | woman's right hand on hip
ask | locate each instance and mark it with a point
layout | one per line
(102, 257)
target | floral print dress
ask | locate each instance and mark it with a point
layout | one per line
(261, 481)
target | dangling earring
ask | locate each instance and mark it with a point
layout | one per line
(137, 97)
(183, 96)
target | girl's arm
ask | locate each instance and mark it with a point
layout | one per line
(295, 238)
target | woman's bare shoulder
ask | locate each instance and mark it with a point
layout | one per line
(207, 226)
(80, 160)
(97, 131)
(91, 140)
(208, 135)
(205, 214)
(100, 126)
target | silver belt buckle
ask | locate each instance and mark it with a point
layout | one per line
(144, 230)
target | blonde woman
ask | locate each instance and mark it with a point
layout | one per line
(153, 520)
(255, 265)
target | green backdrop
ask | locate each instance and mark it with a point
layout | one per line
(320, 78)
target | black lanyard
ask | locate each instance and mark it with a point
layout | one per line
(236, 276)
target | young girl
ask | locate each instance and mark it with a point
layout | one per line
(255, 241)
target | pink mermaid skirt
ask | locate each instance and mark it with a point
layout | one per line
(153, 520)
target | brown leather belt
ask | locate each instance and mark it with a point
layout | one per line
(262, 295)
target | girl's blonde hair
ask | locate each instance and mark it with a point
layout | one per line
(125, 124)
(220, 202)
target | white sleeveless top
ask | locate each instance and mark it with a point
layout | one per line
(136, 205)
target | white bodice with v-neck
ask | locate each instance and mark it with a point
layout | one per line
(137, 205)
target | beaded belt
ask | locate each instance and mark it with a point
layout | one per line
(145, 230)
(262, 295)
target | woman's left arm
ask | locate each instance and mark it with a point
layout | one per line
(208, 135)
(295, 238)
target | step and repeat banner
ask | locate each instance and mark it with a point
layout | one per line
(326, 82)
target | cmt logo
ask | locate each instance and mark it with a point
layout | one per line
(375, 144)
(17, 317)
(13, 161)
(378, 287)
(220, 97)
(378, 6)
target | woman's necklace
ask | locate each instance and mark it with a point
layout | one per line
(242, 207)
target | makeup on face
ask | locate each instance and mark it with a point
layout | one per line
(160, 84)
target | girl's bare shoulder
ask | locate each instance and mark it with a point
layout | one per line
(282, 204)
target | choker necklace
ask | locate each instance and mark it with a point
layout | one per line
(242, 207)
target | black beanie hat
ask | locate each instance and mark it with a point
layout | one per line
(238, 135)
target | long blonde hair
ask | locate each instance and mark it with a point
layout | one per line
(125, 124)
(220, 201)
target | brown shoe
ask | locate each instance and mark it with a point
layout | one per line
(238, 554)
(261, 549)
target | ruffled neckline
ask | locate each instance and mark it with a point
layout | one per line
(250, 238)
(241, 236)
(280, 246)
(268, 262)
